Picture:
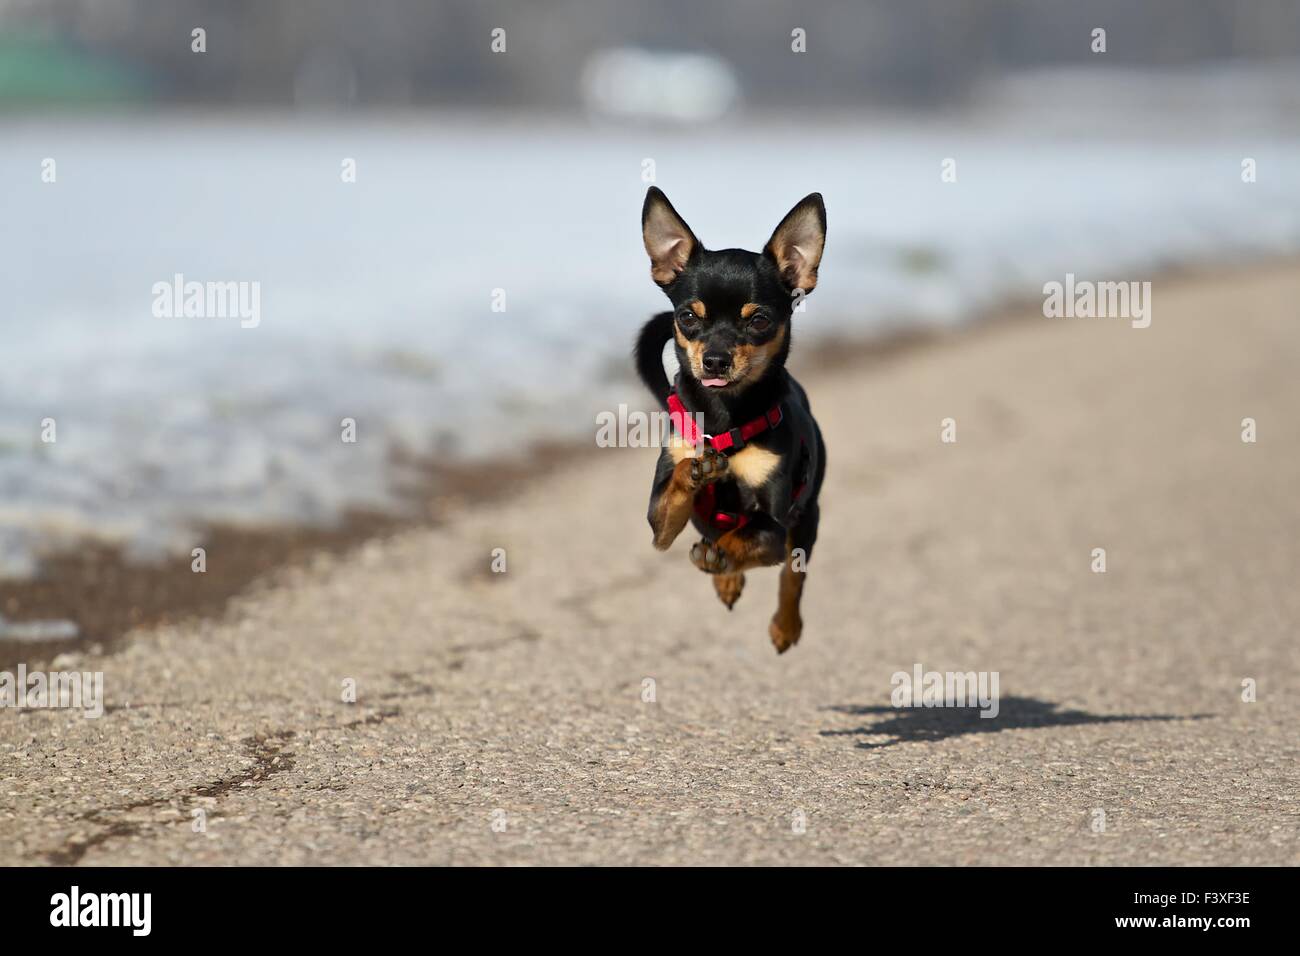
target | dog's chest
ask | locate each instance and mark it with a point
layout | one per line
(750, 466)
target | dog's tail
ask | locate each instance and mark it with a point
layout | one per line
(650, 355)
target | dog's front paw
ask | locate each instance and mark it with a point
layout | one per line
(710, 559)
(708, 466)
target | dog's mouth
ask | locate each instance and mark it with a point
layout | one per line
(714, 382)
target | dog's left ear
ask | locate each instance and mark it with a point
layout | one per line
(668, 240)
(796, 246)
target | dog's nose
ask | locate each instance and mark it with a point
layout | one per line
(716, 363)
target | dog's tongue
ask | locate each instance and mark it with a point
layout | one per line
(713, 382)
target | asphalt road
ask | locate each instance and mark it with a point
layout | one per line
(506, 719)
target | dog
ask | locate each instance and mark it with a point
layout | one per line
(750, 482)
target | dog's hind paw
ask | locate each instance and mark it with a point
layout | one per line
(709, 558)
(785, 632)
(729, 587)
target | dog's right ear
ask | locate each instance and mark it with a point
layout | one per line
(668, 240)
(796, 246)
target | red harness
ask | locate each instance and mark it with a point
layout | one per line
(728, 443)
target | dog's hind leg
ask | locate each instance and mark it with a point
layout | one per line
(729, 587)
(759, 544)
(787, 625)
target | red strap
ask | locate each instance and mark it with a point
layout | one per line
(706, 497)
(684, 422)
(706, 510)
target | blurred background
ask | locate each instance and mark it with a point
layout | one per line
(430, 53)
(501, 151)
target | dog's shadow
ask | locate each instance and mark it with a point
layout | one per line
(920, 724)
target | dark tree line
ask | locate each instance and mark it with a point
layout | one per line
(397, 52)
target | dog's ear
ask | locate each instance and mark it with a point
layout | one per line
(796, 246)
(668, 240)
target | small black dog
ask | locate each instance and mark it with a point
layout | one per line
(752, 488)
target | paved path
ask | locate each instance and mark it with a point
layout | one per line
(500, 718)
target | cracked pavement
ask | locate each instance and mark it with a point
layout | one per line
(507, 718)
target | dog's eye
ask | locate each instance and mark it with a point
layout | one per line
(688, 321)
(760, 324)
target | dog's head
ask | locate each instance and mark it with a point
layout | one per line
(732, 308)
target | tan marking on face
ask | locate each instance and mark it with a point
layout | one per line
(694, 352)
(749, 361)
(698, 308)
(748, 309)
(751, 466)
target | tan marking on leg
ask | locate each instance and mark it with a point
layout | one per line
(729, 587)
(747, 550)
(786, 624)
(673, 508)
(680, 449)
